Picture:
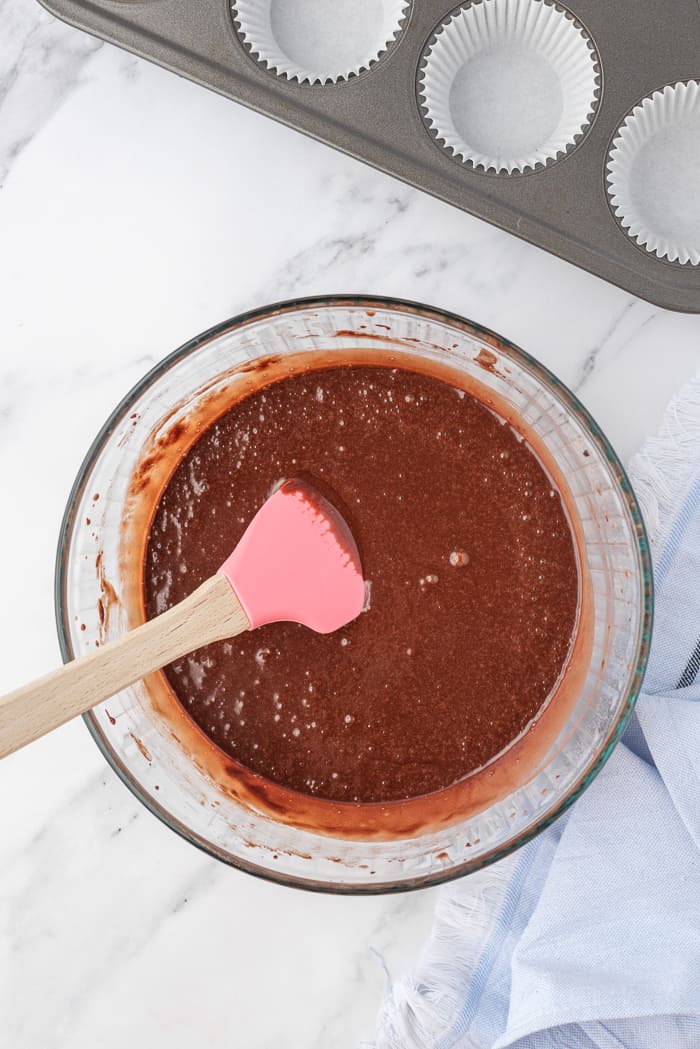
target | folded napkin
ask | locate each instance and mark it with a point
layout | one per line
(589, 936)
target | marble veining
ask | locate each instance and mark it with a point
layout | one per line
(136, 210)
(41, 60)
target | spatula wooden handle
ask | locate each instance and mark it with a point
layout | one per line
(211, 613)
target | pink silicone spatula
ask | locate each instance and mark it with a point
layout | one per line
(297, 561)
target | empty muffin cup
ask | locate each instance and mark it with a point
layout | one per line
(653, 169)
(509, 85)
(317, 41)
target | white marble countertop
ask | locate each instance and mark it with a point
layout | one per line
(136, 210)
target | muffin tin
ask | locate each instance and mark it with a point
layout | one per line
(526, 113)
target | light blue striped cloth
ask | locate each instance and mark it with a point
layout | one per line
(589, 936)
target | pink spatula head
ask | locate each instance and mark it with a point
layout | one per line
(297, 562)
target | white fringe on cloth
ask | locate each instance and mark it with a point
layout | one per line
(663, 468)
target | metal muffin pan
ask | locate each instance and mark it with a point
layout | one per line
(375, 115)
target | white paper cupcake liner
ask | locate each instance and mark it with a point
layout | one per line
(508, 85)
(318, 41)
(654, 173)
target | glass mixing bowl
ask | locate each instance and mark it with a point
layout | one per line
(95, 596)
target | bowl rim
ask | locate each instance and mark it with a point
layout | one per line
(573, 404)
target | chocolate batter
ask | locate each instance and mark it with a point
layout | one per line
(474, 584)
